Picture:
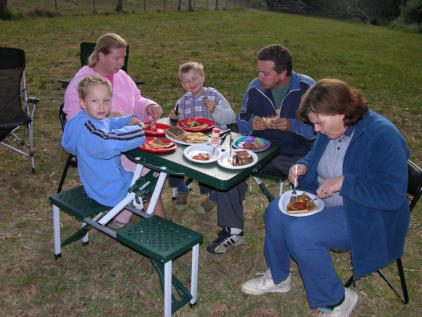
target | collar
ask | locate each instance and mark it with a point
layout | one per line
(349, 130)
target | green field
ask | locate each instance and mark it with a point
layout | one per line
(106, 278)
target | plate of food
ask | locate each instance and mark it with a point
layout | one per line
(181, 136)
(202, 153)
(251, 143)
(156, 129)
(238, 159)
(158, 145)
(196, 124)
(299, 205)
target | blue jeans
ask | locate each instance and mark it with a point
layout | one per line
(307, 240)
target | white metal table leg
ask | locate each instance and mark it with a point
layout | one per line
(194, 273)
(156, 194)
(167, 288)
(56, 229)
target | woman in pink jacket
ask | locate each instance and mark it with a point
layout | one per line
(107, 60)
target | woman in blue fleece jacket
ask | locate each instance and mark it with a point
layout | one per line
(358, 166)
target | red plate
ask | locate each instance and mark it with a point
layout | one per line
(150, 138)
(183, 124)
(160, 128)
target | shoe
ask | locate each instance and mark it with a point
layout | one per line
(206, 206)
(181, 201)
(117, 225)
(344, 309)
(264, 283)
(225, 240)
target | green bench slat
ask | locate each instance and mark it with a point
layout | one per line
(159, 238)
(76, 203)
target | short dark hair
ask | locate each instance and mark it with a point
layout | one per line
(333, 96)
(280, 55)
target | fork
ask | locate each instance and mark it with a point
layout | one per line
(295, 184)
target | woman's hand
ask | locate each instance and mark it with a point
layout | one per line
(293, 176)
(330, 186)
(154, 111)
(173, 114)
(209, 103)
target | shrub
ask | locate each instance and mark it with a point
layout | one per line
(412, 13)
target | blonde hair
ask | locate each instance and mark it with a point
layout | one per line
(187, 67)
(104, 44)
(91, 81)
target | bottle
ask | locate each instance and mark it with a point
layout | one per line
(215, 137)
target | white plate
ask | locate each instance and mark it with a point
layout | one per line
(223, 161)
(285, 198)
(193, 150)
(185, 143)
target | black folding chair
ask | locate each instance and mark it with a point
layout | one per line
(71, 160)
(12, 115)
(86, 48)
(414, 188)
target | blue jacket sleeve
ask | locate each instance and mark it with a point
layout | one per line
(102, 145)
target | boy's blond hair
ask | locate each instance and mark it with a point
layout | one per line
(187, 67)
(91, 81)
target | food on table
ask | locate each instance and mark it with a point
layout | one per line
(158, 144)
(300, 204)
(201, 156)
(176, 132)
(241, 158)
(193, 124)
(254, 146)
(269, 119)
(188, 137)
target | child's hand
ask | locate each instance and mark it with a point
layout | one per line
(118, 114)
(173, 114)
(209, 103)
(134, 120)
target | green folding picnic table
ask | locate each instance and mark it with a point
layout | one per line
(210, 174)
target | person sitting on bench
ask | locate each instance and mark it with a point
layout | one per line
(98, 142)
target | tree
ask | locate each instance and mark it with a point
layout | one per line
(179, 5)
(216, 4)
(119, 7)
(3, 9)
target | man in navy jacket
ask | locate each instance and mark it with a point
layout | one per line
(268, 111)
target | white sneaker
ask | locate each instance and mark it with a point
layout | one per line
(344, 309)
(264, 283)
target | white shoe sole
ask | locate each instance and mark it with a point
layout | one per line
(258, 292)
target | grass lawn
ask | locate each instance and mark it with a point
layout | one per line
(106, 278)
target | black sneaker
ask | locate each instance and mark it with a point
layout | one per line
(225, 240)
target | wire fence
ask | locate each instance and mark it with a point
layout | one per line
(82, 7)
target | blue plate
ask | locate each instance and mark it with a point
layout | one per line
(251, 143)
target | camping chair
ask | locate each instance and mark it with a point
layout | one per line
(414, 189)
(86, 48)
(12, 86)
(71, 159)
